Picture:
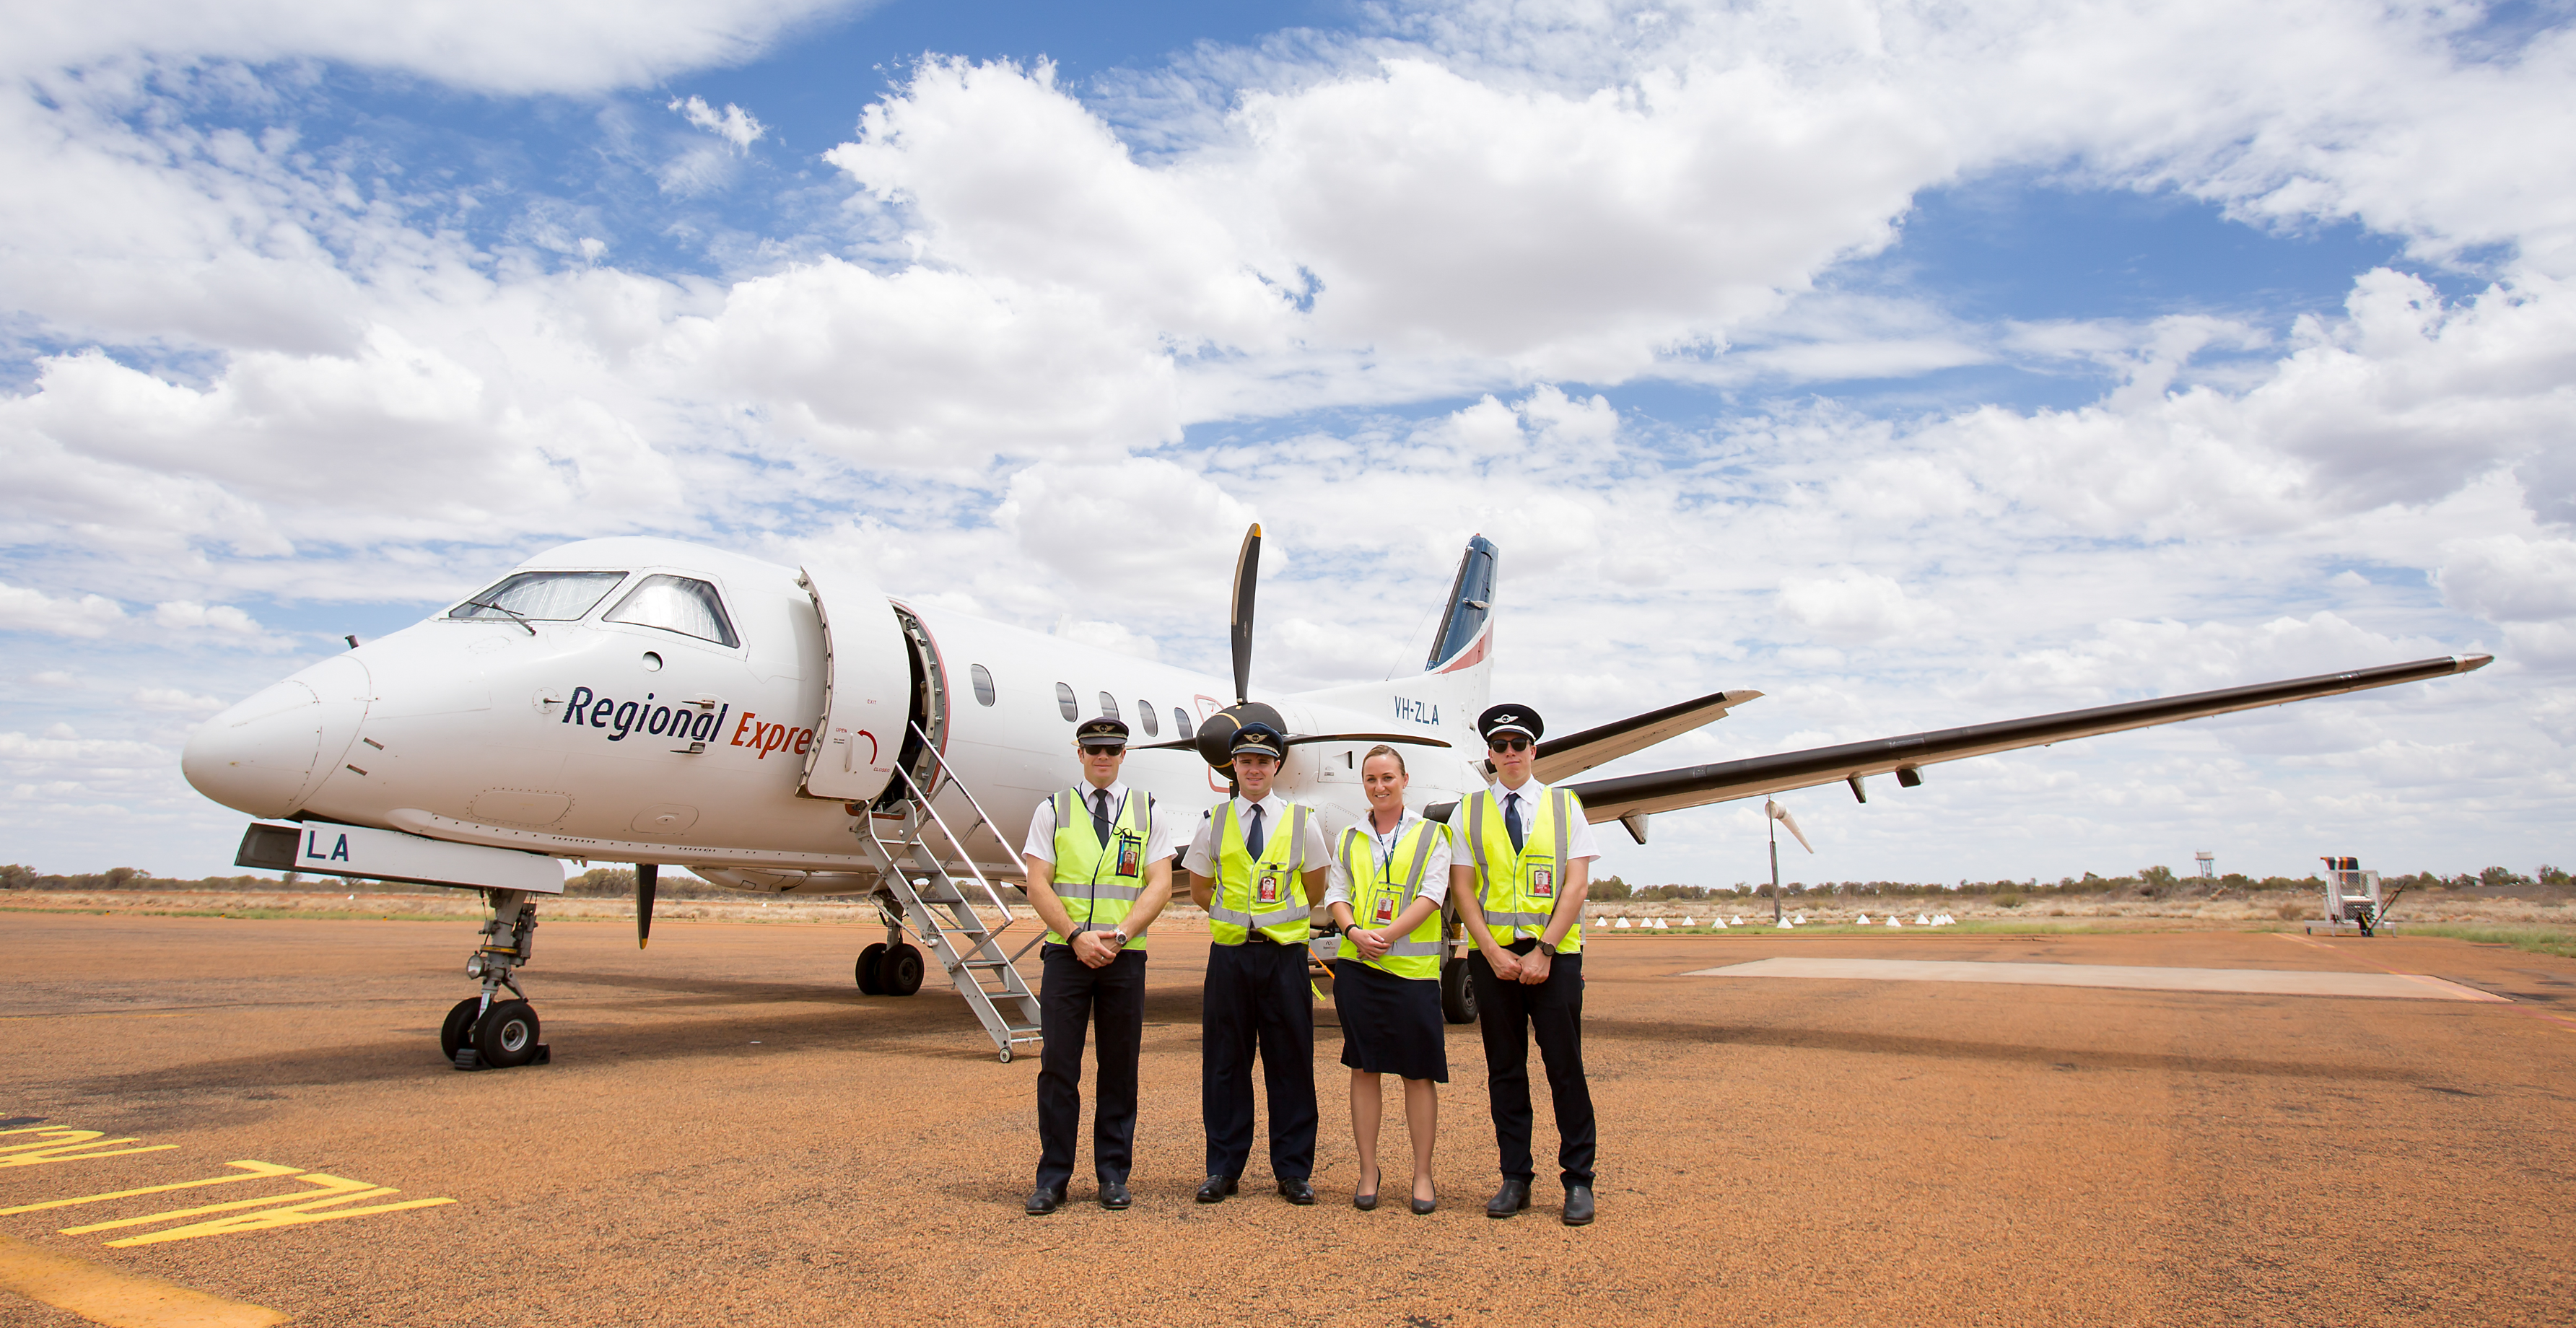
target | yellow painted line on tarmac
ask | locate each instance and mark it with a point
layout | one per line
(117, 1298)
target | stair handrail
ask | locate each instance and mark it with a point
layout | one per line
(1009, 920)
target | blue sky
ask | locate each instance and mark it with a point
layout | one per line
(1916, 368)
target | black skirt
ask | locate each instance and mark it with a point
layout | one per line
(1390, 1025)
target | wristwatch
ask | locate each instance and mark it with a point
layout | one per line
(1546, 949)
(1117, 939)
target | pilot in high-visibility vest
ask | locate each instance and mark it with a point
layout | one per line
(1257, 866)
(1523, 868)
(1390, 875)
(1100, 869)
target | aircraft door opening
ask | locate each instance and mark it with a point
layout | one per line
(927, 710)
(866, 690)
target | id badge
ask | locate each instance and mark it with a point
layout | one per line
(1542, 877)
(1131, 856)
(1266, 886)
(1384, 912)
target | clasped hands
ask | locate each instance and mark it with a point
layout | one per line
(1095, 948)
(1527, 969)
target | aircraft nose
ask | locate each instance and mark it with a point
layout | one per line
(266, 754)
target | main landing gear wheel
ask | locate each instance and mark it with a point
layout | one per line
(506, 1035)
(458, 1032)
(1457, 993)
(870, 983)
(900, 971)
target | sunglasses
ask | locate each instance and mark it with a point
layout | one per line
(1091, 750)
(1508, 744)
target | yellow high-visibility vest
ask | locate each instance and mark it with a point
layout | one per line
(1381, 891)
(1098, 883)
(1260, 894)
(1518, 889)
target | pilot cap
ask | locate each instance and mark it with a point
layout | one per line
(1504, 719)
(1261, 738)
(1105, 731)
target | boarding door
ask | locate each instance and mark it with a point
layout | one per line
(867, 690)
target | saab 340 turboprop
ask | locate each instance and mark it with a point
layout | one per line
(789, 732)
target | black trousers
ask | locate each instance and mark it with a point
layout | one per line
(1072, 997)
(1257, 996)
(1508, 1013)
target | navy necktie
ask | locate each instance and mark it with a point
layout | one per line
(1512, 820)
(1100, 814)
(1252, 833)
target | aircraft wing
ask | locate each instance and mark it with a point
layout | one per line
(1631, 798)
(1561, 758)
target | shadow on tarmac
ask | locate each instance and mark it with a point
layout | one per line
(2062, 1058)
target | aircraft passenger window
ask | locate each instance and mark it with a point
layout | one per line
(1064, 701)
(541, 596)
(983, 683)
(1180, 723)
(1145, 712)
(677, 604)
(1109, 705)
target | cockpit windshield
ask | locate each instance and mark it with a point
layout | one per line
(677, 604)
(541, 597)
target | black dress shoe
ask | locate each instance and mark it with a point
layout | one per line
(1366, 1203)
(1297, 1190)
(1113, 1194)
(1513, 1197)
(1216, 1188)
(1578, 1205)
(1430, 1205)
(1045, 1199)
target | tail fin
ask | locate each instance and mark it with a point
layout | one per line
(1462, 641)
(1455, 678)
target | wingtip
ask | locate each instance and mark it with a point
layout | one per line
(2469, 662)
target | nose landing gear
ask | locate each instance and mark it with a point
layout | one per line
(485, 1032)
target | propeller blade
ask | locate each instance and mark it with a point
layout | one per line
(1247, 571)
(646, 875)
(1782, 815)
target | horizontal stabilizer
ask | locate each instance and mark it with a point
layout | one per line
(1698, 786)
(1561, 758)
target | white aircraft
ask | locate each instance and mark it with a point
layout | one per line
(664, 703)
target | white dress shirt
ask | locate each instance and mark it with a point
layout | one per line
(1041, 845)
(1435, 869)
(1311, 853)
(1579, 842)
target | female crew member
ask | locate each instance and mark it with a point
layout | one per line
(1385, 890)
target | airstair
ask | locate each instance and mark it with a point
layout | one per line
(932, 886)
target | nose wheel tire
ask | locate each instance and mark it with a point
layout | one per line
(900, 971)
(870, 983)
(1457, 993)
(458, 1032)
(506, 1035)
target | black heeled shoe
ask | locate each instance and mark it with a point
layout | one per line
(1430, 1205)
(1366, 1203)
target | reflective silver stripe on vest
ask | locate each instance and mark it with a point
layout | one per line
(1430, 947)
(1223, 914)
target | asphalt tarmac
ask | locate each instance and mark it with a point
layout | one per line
(730, 1133)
